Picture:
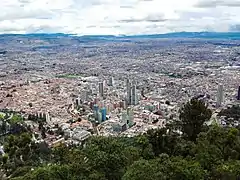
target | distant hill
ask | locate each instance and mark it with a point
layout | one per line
(208, 35)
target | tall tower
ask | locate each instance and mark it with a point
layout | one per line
(219, 95)
(129, 93)
(77, 101)
(238, 98)
(134, 95)
(111, 81)
(104, 114)
(101, 89)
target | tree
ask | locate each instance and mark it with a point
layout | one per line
(216, 146)
(229, 170)
(110, 156)
(192, 117)
(144, 169)
(162, 141)
(145, 148)
(165, 168)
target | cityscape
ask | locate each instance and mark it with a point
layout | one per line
(114, 86)
(147, 107)
(120, 90)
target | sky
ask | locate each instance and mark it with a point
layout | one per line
(118, 17)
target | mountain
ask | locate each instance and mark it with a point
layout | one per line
(204, 35)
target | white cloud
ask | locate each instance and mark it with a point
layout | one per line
(118, 16)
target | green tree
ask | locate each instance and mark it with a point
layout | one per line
(162, 141)
(192, 117)
(110, 156)
(165, 168)
(229, 170)
(217, 145)
(144, 170)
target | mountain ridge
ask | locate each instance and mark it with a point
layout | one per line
(85, 38)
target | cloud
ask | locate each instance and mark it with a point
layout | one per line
(118, 17)
(216, 3)
(149, 18)
(235, 28)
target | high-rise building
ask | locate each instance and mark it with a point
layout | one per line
(101, 89)
(111, 81)
(85, 95)
(104, 114)
(238, 97)
(134, 98)
(95, 110)
(129, 98)
(124, 117)
(48, 119)
(77, 101)
(219, 95)
(99, 117)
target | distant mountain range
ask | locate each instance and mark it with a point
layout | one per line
(208, 35)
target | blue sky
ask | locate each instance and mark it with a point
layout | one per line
(118, 16)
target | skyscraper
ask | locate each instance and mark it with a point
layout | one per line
(219, 95)
(78, 101)
(95, 110)
(101, 89)
(134, 95)
(85, 95)
(238, 97)
(111, 81)
(129, 94)
(104, 114)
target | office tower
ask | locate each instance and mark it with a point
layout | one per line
(134, 98)
(104, 114)
(48, 117)
(128, 92)
(124, 117)
(238, 97)
(101, 89)
(99, 117)
(130, 117)
(219, 95)
(77, 101)
(111, 81)
(84, 95)
(95, 111)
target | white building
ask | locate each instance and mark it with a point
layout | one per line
(219, 95)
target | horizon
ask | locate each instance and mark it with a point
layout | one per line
(202, 33)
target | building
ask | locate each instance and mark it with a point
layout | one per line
(95, 111)
(134, 98)
(129, 94)
(219, 95)
(85, 95)
(48, 119)
(101, 89)
(81, 135)
(77, 101)
(104, 114)
(238, 97)
(99, 117)
(111, 81)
